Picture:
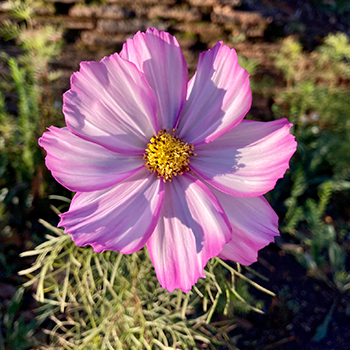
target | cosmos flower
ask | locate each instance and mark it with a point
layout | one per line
(160, 161)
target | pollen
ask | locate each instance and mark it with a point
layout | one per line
(167, 155)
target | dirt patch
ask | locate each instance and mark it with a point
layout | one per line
(293, 317)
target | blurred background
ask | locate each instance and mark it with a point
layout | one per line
(298, 56)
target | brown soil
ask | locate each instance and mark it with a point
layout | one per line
(294, 315)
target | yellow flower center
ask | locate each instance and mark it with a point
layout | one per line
(167, 155)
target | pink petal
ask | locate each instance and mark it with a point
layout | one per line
(111, 104)
(158, 55)
(81, 165)
(254, 226)
(218, 97)
(248, 160)
(192, 229)
(119, 218)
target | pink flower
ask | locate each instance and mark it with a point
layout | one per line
(159, 161)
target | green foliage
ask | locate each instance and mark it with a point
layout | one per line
(24, 90)
(18, 332)
(320, 111)
(250, 65)
(260, 86)
(22, 9)
(27, 77)
(115, 301)
(336, 47)
(40, 46)
(289, 58)
(329, 64)
(333, 58)
(319, 242)
(18, 134)
(10, 30)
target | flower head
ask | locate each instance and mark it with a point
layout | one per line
(167, 155)
(160, 161)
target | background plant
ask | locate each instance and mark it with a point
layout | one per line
(26, 108)
(114, 301)
(18, 332)
(317, 103)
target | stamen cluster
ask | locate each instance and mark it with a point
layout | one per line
(167, 155)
